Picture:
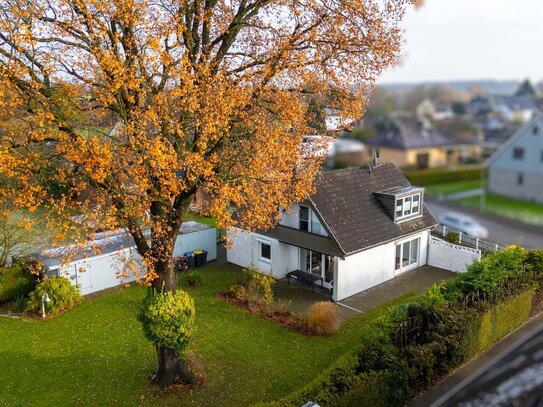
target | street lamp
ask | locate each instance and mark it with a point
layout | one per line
(44, 298)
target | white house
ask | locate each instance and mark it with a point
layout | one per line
(360, 228)
(93, 272)
(516, 168)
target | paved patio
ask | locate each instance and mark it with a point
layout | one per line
(416, 281)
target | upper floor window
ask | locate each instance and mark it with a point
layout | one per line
(408, 206)
(304, 218)
(518, 153)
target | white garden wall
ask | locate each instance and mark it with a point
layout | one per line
(451, 257)
(97, 273)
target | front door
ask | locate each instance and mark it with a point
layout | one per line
(407, 256)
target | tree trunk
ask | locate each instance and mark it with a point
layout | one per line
(171, 369)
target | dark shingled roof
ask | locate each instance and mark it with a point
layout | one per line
(346, 203)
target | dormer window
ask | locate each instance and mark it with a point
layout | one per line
(408, 206)
(402, 203)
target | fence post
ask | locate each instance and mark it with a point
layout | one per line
(477, 243)
(497, 247)
(444, 230)
(460, 238)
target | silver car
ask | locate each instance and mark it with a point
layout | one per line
(463, 223)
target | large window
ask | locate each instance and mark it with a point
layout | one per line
(407, 254)
(309, 221)
(408, 206)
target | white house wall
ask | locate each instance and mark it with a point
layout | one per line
(371, 267)
(244, 251)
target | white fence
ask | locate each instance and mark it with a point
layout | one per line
(450, 256)
(98, 272)
(466, 240)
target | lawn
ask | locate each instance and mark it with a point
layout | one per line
(451, 187)
(528, 212)
(96, 354)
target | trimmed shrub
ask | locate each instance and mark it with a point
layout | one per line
(62, 294)
(193, 279)
(497, 322)
(15, 281)
(168, 319)
(322, 318)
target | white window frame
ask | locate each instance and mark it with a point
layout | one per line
(407, 209)
(260, 257)
(410, 264)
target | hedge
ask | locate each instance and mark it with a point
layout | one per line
(497, 322)
(439, 175)
(15, 281)
(412, 345)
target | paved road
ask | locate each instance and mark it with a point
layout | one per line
(503, 232)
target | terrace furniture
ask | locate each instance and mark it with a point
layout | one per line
(306, 278)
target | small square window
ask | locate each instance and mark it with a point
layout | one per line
(518, 153)
(265, 251)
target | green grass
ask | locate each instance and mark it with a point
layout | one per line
(96, 354)
(451, 187)
(528, 212)
(198, 218)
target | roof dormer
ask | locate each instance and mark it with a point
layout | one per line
(402, 203)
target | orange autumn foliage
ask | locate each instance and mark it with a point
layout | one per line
(206, 95)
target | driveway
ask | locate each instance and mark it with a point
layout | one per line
(416, 281)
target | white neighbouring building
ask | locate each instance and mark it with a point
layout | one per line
(359, 229)
(516, 168)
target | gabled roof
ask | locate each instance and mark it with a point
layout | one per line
(404, 135)
(537, 119)
(345, 201)
(525, 102)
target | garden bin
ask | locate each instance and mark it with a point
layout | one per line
(190, 259)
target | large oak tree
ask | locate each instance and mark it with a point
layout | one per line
(206, 94)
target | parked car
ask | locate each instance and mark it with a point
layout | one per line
(463, 223)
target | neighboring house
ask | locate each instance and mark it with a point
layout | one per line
(417, 144)
(434, 110)
(516, 168)
(94, 272)
(359, 229)
(516, 109)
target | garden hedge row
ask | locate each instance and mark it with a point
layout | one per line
(438, 175)
(15, 281)
(414, 344)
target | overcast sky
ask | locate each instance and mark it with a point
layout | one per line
(472, 39)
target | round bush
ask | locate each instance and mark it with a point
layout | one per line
(168, 319)
(193, 279)
(61, 292)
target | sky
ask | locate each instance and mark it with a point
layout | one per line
(471, 39)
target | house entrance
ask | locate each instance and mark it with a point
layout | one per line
(407, 256)
(318, 264)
